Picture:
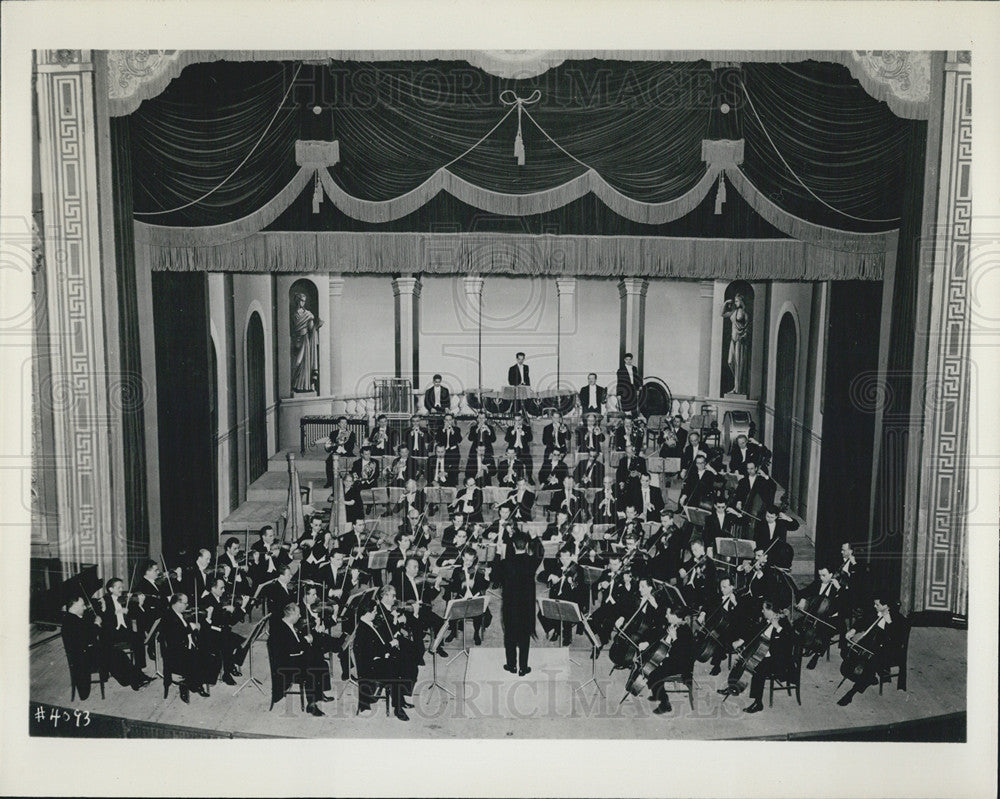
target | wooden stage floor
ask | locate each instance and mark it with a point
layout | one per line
(495, 704)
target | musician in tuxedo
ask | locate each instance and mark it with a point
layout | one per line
(753, 492)
(668, 546)
(236, 572)
(151, 601)
(509, 469)
(518, 374)
(613, 592)
(553, 471)
(502, 530)
(450, 533)
(354, 505)
(469, 501)
(775, 526)
(194, 579)
(395, 625)
(680, 656)
(564, 582)
(590, 436)
(824, 590)
(691, 451)
(450, 437)
(292, 661)
(592, 396)
(777, 632)
(729, 617)
(181, 653)
(381, 439)
(697, 577)
(852, 577)
(570, 499)
(518, 604)
(761, 581)
(482, 433)
(646, 498)
(630, 467)
(442, 471)
(556, 435)
(415, 597)
(522, 499)
(742, 450)
(278, 593)
(590, 473)
(417, 438)
(437, 400)
(882, 633)
(518, 438)
(378, 657)
(721, 523)
(629, 382)
(267, 557)
(413, 499)
(80, 635)
(311, 622)
(404, 468)
(480, 466)
(628, 433)
(223, 646)
(467, 581)
(609, 503)
(340, 444)
(629, 524)
(366, 470)
(699, 485)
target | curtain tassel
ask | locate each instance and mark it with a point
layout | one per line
(317, 194)
(720, 196)
(518, 141)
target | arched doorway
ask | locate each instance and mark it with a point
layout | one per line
(784, 399)
(256, 400)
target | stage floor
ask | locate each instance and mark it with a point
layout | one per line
(496, 704)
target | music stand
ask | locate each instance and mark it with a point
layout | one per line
(438, 641)
(377, 562)
(251, 640)
(734, 550)
(460, 610)
(697, 516)
(551, 547)
(149, 637)
(569, 613)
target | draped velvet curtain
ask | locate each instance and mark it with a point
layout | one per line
(639, 124)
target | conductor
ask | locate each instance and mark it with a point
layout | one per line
(518, 607)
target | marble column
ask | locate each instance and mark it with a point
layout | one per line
(336, 334)
(473, 285)
(566, 289)
(632, 291)
(406, 290)
(706, 293)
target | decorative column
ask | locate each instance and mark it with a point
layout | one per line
(706, 293)
(935, 575)
(336, 327)
(86, 391)
(473, 285)
(632, 291)
(566, 290)
(406, 290)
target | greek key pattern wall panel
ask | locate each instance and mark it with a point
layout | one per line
(77, 390)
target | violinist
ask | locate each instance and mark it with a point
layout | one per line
(482, 433)
(223, 646)
(236, 573)
(570, 499)
(442, 471)
(277, 593)
(560, 528)
(509, 470)
(377, 656)
(668, 551)
(451, 556)
(563, 580)
(394, 626)
(522, 499)
(744, 449)
(556, 435)
(315, 621)
(195, 578)
(480, 467)
(181, 653)
(699, 484)
(614, 590)
(451, 531)
(629, 469)
(725, 621)
(553, 471)
(769, 653)
(628, 434)
(340, 444)
(292, 661)
(151, 600)
(820, 600)
(630, 524)
(415, 597)
(410, 526)
(774, 527)
(469, 501)
(633, 558)
(608, 502)
(869, 654)
(318, 555)
(399, 555)
(582, 548)
(267, 557)
(117, 622)
(468, 580)
(675, 651)
(350, 542)
(760, 579)
(647, 499)
(80, 634)
(404, 469)
(590, 436)
(590, 473)
(366, 470)
(518, 438)
(502, 530)
(697, 577)
(647, 622)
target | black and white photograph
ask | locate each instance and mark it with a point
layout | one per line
(620, 396)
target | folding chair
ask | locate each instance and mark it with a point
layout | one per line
(777, 684)
(686, 680)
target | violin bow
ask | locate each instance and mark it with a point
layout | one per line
(166, 573)
(90, 599)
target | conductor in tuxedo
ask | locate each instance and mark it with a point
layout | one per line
(518, 375)
(629, 382)
(518, 606)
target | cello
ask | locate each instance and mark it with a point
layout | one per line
(752, 654)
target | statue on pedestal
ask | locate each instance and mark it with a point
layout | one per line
(739, 343)
(304, 347)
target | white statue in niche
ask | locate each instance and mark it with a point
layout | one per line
(305, 375)
(739, 342)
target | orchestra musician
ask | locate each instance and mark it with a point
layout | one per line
(851, 576)
(80, 634)
(590, 472)
(293, 660)
(482, 433)
(277, 593)
(697, 577)
(151, 600)
(728, 618)
(553, 471)
(743, 450)
(181, 653)
(340, 444)
(267, 557)
(194, 579)
(679, 659)
(629, 524)
(608, 503)
(776, 639)
(366, 470)
(236, 573)
(629, 469)
(699, 485)
(522, 500)
(753, 492)
(349, 542)
(761, 580)
(480, 467)
(518, 374)
(691, 451)
(417, 438)
(509, 469)
(775, 526)
(469, 501)
(868, 655)
(442, 471)
(614, 590)
(556, 434)
(673, 439)
(565, 583)
(590, 436)
(646, 498)
(518, 438)
(223, 646)
(416, 597)
(628, 433)
(381, 439)
(592, 396)
(451, 532)
(450, 437)
(665, 564)
(312, 620)
(721, 523)
(570, 499)
(404, 468)
(629, 383)
(468, 580)
(354, 506)
(503, 528)
(413, 499)
(821, 600)
(437, 400)
(395, 625)
(377, 655)
(117, 622)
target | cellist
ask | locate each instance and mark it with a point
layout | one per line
(614, 590)
(821, 600)
(873, 651)
(679, 660)
(769, 653)
(726, 620)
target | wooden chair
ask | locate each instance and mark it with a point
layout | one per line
(792, 684)
(684, 680)
(90, 656)
(898, 669)
(291, 689)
